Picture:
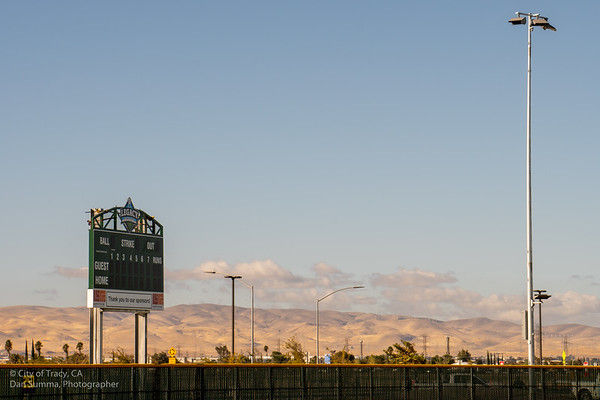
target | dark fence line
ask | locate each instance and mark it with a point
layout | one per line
(296, 382)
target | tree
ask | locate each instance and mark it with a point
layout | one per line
(79, 358)
(278, 357)
(446, 359)
(16, 359)
(8, 347)
(160, 358)
(295, 352)
(121, 357)
(79, 347)
(404, 353)
(266, 350)
(38, 348)
(376, 359)
(238, 358)
(464, 355)
(223, 353)
(66, 350)
(342, 357)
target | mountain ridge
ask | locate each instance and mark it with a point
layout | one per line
(196, 329)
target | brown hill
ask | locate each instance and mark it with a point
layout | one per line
(195, 330)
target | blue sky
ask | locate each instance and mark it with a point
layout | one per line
(306, 146)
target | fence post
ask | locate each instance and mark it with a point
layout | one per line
(576, 381)
(199, 383)
(543, 383)
(304, 383)
(235, 382)
(338, 383)
(509, 384)
(438, 379)
(271, 389)
(371, 389)
(405, 384)
(133, 383)
(62, 390)
(472, 387)
(169, 383)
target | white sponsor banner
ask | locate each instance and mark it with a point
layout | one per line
(128, 300)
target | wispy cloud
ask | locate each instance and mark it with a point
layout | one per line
(411, 277)
(48, 295)
(573, 307)
(414, 292)
(71, 272)
(425, 293)
(197, 273)
(263, 273)
(275, 285)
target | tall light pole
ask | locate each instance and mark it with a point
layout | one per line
(233, 278)
(323, 298)
(532, 20)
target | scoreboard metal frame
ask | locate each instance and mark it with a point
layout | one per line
(126, 265)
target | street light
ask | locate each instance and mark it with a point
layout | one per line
(540, 296)
(251, 319)
(532, 21)
(323, 298)
(233, 278)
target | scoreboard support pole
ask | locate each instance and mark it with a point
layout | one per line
(141, 338)
(96, 316)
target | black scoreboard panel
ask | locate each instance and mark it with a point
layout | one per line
(126, 261)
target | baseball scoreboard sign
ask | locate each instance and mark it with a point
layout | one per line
(126, 270)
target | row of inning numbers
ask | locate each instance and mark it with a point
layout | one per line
(132, 258)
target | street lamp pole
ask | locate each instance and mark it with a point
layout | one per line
(233, 278)
(317, 316)
(251, 319)
(540, 296)
(531, 20)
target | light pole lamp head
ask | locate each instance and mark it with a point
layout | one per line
(543, 22)
(541, 295)
(518, 21)
(549, 27)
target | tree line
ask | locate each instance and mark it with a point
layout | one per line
(35, 356)
(294, 353)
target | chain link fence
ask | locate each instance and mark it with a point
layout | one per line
(296, 382)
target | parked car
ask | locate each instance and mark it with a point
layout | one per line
(454, 386)
(587, 388)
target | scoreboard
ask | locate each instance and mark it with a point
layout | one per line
(126, 261)
(126, 270)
